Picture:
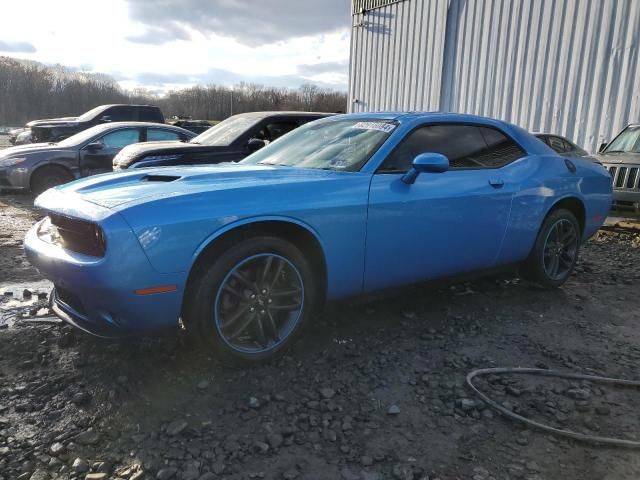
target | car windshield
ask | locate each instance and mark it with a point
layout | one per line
(627, 142)
(330, 145)
(226, 132)
(82, 136)
(91, 113)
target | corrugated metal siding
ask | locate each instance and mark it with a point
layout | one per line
(566, 66)
(396, 56)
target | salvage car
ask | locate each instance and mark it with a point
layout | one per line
(39, 166)
(621, 157)
(243, 254)
(56, 129)
(229, 141)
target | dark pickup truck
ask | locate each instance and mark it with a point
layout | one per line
(229, 141)
(56, 129)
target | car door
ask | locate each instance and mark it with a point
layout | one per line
(444, 223)
(97, 156)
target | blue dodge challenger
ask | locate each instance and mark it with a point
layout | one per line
(243, 254)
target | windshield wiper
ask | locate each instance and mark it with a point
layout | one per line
(617, 151)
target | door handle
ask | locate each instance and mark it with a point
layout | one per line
(496, 182)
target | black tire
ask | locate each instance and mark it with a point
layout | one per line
(49, 176)
(559, 225)
(208, 291)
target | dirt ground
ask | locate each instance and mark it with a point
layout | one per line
(373, 391)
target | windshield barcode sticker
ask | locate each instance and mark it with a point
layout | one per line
(382, 126)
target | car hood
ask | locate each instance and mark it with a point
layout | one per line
(121, 190)
(53, 122)
(29, 149)
(632, 158)
(169, 146)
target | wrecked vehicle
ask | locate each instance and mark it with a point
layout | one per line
(621, 157)
(56, 129)
(244, 254)
(229, 141)
(39, 166)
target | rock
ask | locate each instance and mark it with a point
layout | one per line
(26, 294)
(39, 475)
(327, 393)
(203, 384)
(254, 403)
(402, 472)
(176, 427)
(261, 447)
(329, 435)
(393, 410)
(81, 398)
(603, 410)
(291, 474)
(366, 461)
(347, 474)
(96, 476)
(57, 448)
(166, 473)
(275, 440)
(88, 437)
(190, 474)
(122, 379)
(466, 404)
(80, 465)
(208, 476)
(137, 476)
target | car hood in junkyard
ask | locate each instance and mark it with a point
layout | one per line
(53, 122)
(121, 190)
(631, 158)
(29, 149)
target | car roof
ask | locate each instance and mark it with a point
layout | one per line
(110, 125)
(293, 113)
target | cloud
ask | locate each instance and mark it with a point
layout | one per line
(311, 69)
(218, 76)
(250, 22)
(17, 47)
(159, 35)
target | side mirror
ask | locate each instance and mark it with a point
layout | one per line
(426, 163)
(94, 146)
(105, 119)
(602, 147)
(255, 144)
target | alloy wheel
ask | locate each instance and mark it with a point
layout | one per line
(560, 249)
(259, 303)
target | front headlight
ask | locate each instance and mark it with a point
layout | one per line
(9, 162)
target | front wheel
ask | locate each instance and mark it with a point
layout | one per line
(555, 252)
(252, 301)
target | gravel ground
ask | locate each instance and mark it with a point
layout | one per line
(374, 391)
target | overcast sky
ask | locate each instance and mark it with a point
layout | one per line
(162, 44)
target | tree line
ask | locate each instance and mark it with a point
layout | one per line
(30, 90)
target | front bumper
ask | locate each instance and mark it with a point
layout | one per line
(98, 295)
(14, 178)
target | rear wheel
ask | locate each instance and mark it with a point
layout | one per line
(49, 176)
(252, 302)
(555, 252)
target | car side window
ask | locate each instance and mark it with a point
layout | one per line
(274, 130)
(558, 144)
(159, 134)
(121, 138)
(118, 114)
(501, 150)
(466, 146)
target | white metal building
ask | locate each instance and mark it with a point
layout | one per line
(569, 67)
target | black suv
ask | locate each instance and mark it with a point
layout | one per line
(56, 129)
(229, 141)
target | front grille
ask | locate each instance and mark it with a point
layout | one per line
(70, 300)
(79, 235)
(624, 177)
